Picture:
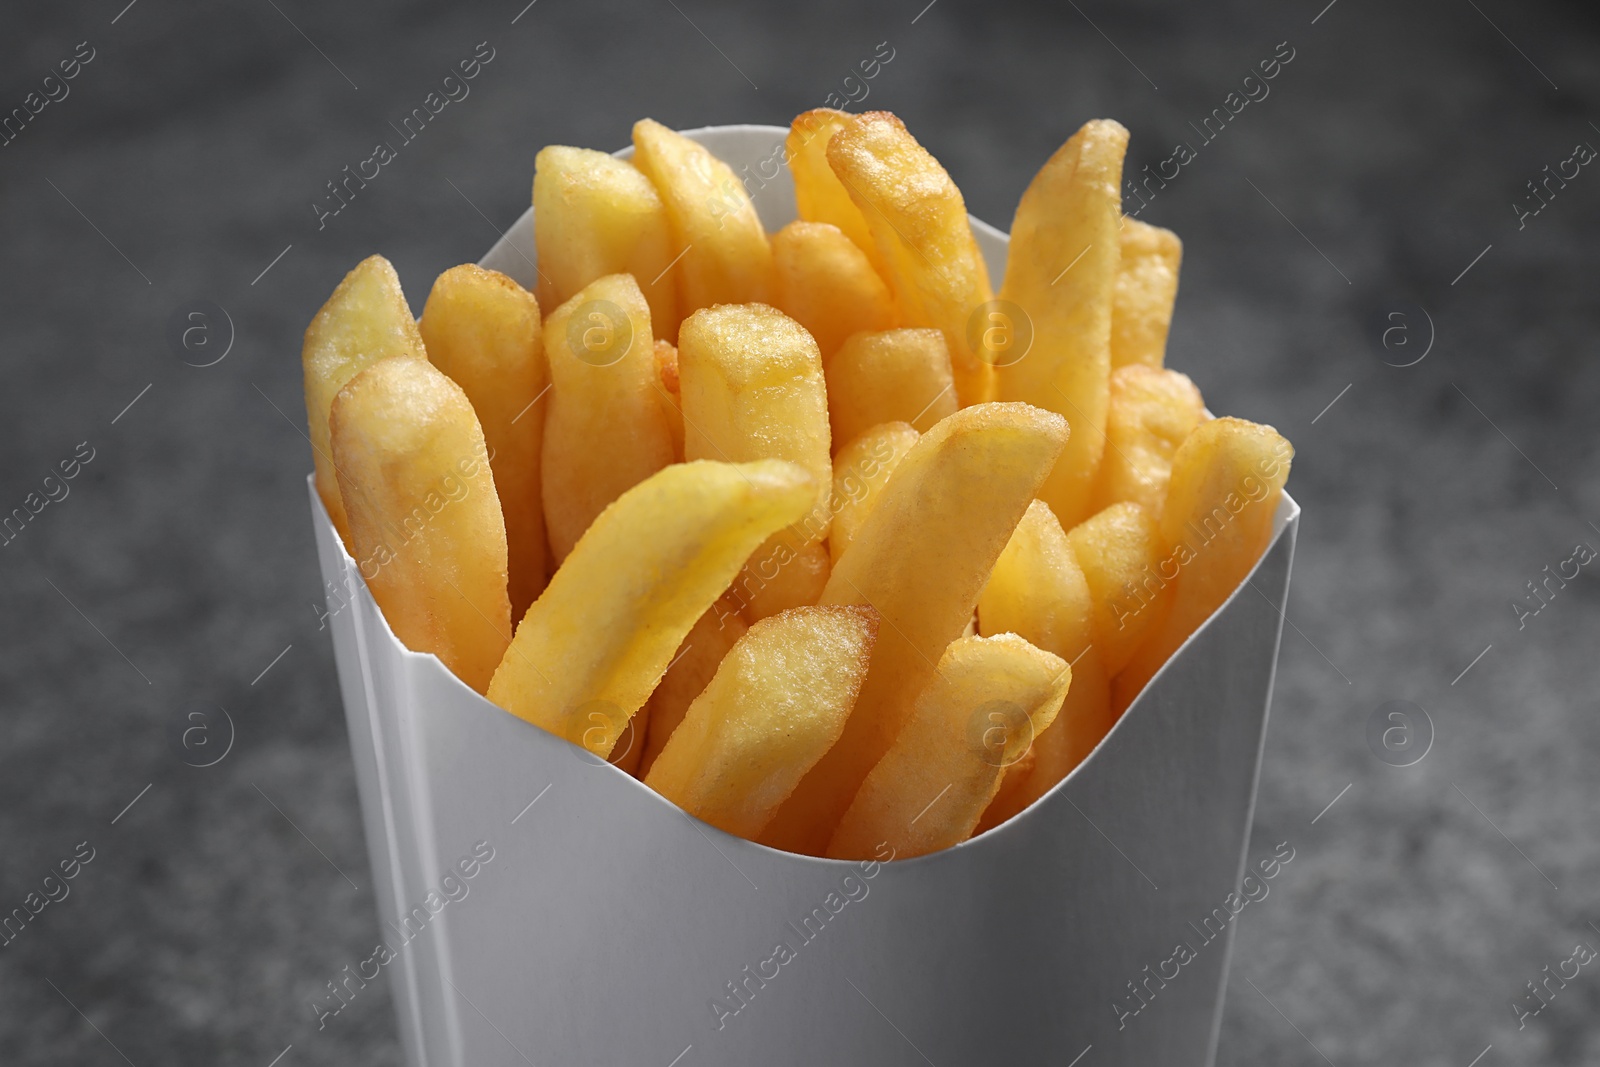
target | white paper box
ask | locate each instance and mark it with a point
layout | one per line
(608, 924)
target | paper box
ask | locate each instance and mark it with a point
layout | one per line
(541, 907)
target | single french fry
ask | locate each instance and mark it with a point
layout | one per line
(725, 255)
(1151, 412)
(483, 330)
(591, 649)
(425, 522)
(826, 284)
(605, 429)
(982, 707)
(671, 406)
(778, 700)
(889, 376)
(594, 215)
(692, 667)
(919, 222)
(921, 560)
(1119, 550)
(1227, 478)
(860, 471)
(819, 195)
(1147, 287)
(1061, 271)
(786, 572)
(365, 320)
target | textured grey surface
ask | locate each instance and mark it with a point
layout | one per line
(182, 563)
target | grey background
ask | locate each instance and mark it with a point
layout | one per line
(188, 154)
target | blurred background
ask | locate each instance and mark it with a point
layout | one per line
(1367, 267)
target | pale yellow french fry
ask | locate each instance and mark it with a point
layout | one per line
(726, 257)
(921, 560)
(1151, 412)
(1147, 287)
(1038, 591)
(594, 215)
(1227, 479)
(425, 523)
(1061, 271)
(819, 195)
(605, 429)
(365, 320)
(692, 667)
(1119, 550)
(889, 376)
(483, 330)
(860, 471)
(919, 222)
(826, 284)
(778, 700)
(667, 380)
(591, 649)
(982, 707)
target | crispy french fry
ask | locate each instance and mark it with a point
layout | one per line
(365, 320)
(1119, 550)
(1147, 286)
(889, 376)
(921, 559)
(1061, 271)
(819, 195)
(725, 255)
(826, 284)
(482, 329)
(692, 667)
(777, 702)
(424, 518)
(594, 215)
(860, 471)
(671, 406)
(919, 223)
(605, 429)
(1150, 414)
(592, 647)
(1038, 591)
(1227, 478)
(982, 707)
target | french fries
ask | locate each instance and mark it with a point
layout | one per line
(425, 521)
(860, 472)
(483, 330)
(980, 711)
(918, 220)
(1147, 287)
(1061, 271)
(365, 320)
(605, 429)
(891, 376)
(667, 388)
(777, 702)
(819, 195)
(827, 284)
(696, 660)
(1119, 550)
(1151, 412)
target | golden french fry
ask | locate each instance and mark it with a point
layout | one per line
(605, 429)
(982, 707)
(921, 560)
(826, 284)
(692, 667)
(725, 255)
(777, 702)
(594, 215)
(919, 223)
(819, 195)
(1147, 287)
(1061, 271)
(482, 329)
(890, 376)
(671, 407)
(860, 471)
(1010, 794)
(592, 647)
(1151, 412)
(365, 320)
(425, 521)
(1227, 478)
(786, 572)
(1119, 550)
